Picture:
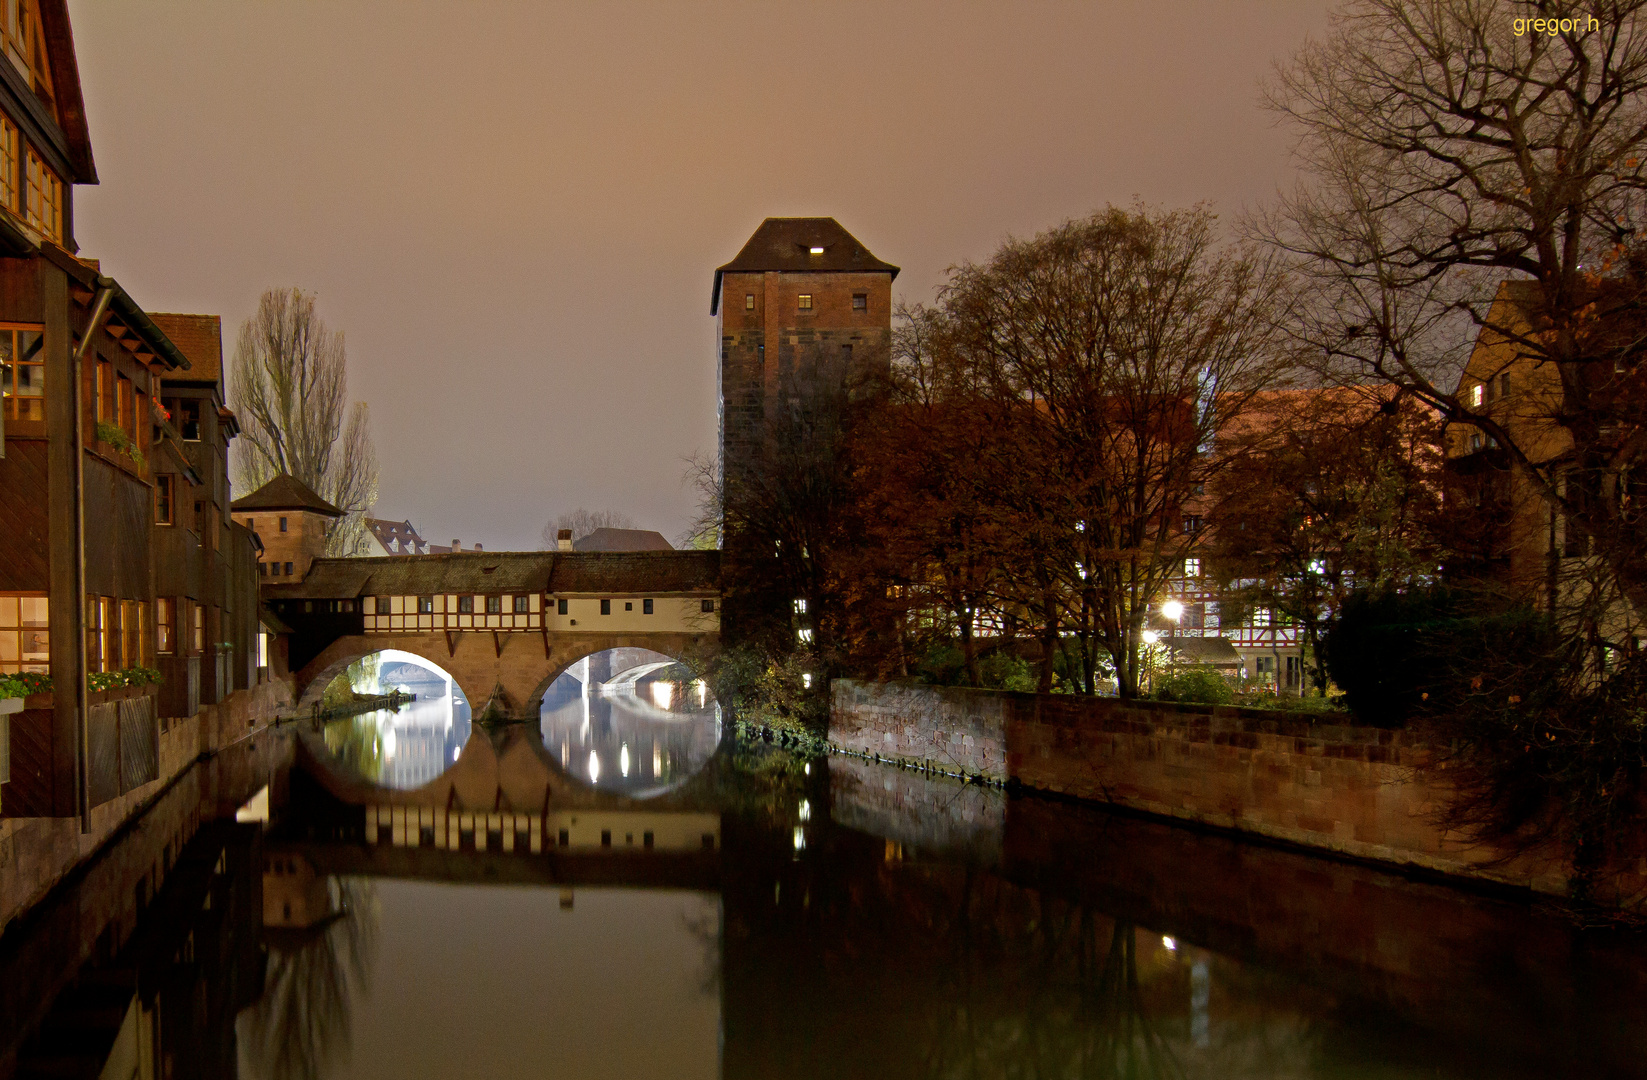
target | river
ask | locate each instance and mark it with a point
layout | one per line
(837, 919)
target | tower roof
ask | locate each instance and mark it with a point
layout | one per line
(285, 492)
(800, 245)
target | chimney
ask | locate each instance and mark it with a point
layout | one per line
(564, 540)
(457, 545)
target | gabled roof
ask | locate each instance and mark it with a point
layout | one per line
(65, 83)
(198, 337)
(605, 539)
(468, 572)
(785, 244)
(397, 537)
(285, 492)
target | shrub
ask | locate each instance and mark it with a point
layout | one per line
(24, 683)
(1380, 651)
(1200, 685)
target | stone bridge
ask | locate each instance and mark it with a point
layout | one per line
(503, 625)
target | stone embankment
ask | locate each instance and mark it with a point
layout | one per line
(38, 852)
(1363, 792)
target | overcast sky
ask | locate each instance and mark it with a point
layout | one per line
(514, 210)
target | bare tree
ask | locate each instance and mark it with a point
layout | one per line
(583, 522)
(1116, 348)
(1449, 146)
(290, 392)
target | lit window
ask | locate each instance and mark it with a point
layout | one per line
(262, 648)
(25, 636)
(1192, 568)
(8, 166)
(806, 301)
(804, 635)
(800, 606)
(749, 301)
(45, 198)
(816, 250)
(1478, 394)
(164, 499)
(22, 373)
(130, 634)
(200, 622)
(123, 404)
(1261, 616)
(860, 301)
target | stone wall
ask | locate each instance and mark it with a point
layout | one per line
(1364, 792)
(949, 729)
(37, 852)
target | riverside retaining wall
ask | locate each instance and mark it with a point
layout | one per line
(1365, 792)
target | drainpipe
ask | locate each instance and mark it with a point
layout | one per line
(100, 307)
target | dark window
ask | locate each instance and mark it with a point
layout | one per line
(646, 607)
(749, 301)
(282, 524)
(164, 489)
(806, 301)
(606, 838)
(629, 605)
(1192, 524)
(288, 569)
(708, 840)
(520, 605)
(846, 354)
(425, 605)
(646, 839)
(606, 607)
(466, 605)
(565, 837)
(860, 301)
(494, 605)
(561, 607)
(708, 605)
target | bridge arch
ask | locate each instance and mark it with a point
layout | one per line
(504, 676)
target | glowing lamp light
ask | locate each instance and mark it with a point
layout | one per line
(817, 250)
(389, 742)
(1151, 637)
(800, 838)
(594, 767)
(806, 681)
(1173, 610)
(1169, 943)
(662, 694)
(623, 759)
(703, 691)
(806, 810)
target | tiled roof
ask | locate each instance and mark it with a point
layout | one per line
(198, 337)
(606, 539)
(397, 537)
(285, 492)
(785, 244)
(468, 572)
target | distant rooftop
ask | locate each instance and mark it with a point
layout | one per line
(285, 492)
(198, 337)
(623, 540)
(801, 244)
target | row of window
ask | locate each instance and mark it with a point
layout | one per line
(29, 188)
(803, 302)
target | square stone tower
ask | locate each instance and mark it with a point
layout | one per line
(803, 306)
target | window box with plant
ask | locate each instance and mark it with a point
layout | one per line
(115, 436)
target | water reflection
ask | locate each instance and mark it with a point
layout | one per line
(630, 721)
(411, 746)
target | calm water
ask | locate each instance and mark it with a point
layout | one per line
(848, 921)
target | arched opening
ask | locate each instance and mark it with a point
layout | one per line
(631, 721)
(410, 746)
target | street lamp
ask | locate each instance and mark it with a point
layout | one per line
(1173, 610)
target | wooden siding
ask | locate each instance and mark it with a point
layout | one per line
(117, 533)
(25, 560)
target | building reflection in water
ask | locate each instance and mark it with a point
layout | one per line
(320, 934)
(411, 746)
(630, 721)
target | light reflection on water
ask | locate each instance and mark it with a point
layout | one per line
(411, 746)
(636, 736)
